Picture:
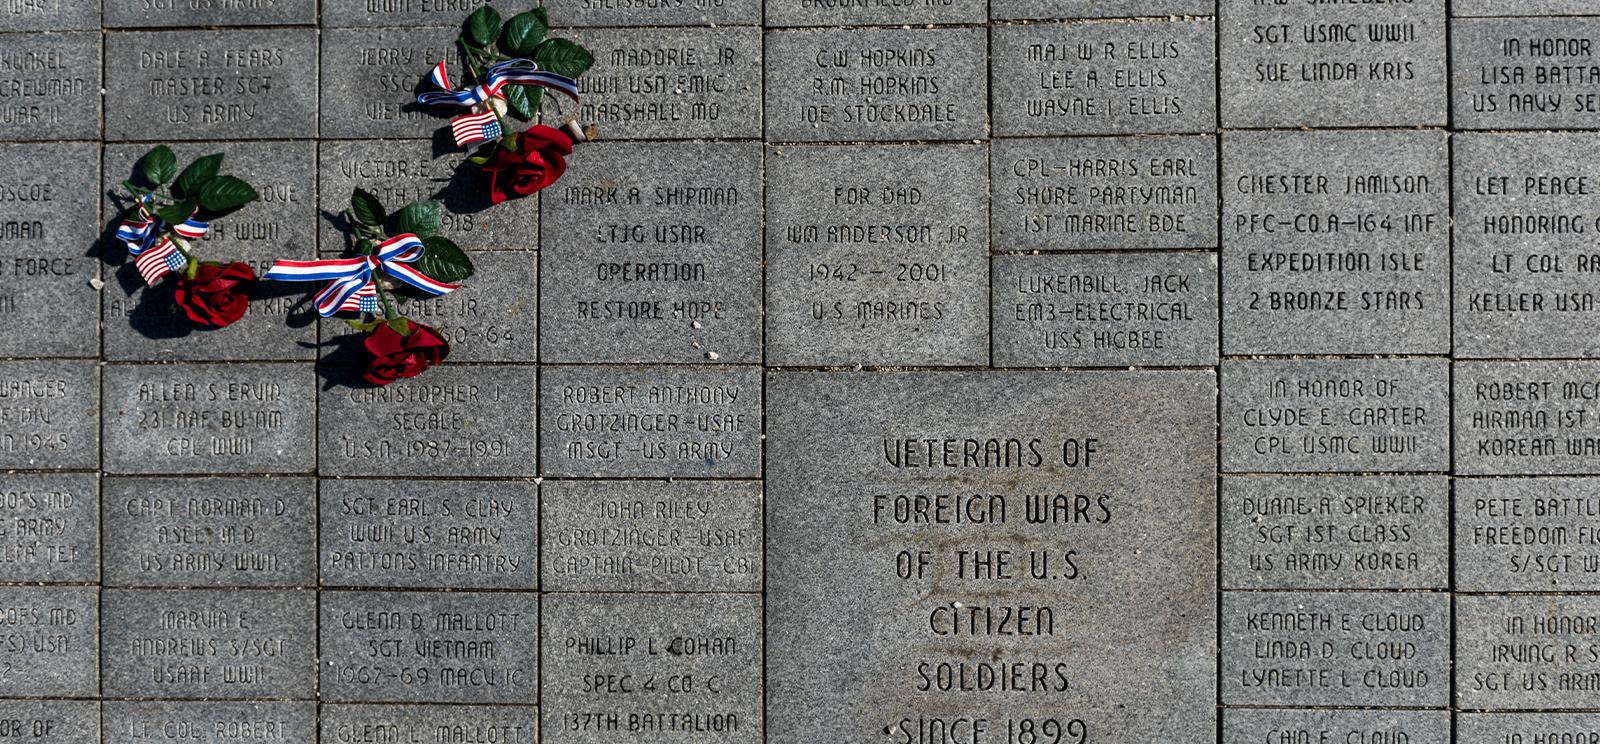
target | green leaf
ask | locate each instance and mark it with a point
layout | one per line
(226, 192)
(563, 57)
(484, 25)
(418, 218)
(401, 326)
(366, 246)
(364, 326)
(135, 189)
(158, 166)
(367, 209)
(175, 214)
(443, 261)
(200, 172)
(543, 16)
(523, 33)
(524, 100)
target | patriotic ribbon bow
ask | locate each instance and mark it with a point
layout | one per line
(154, 254)
(350, 285)
(473, 128)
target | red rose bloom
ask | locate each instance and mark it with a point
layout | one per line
(540, 159)
(395, 356)
(217, 295)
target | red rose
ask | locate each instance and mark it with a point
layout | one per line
(217, 294)
(395, 356)
(540, 159)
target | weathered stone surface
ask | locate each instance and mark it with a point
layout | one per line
(399, 172)
(651, 422)
(1525, 652)
(1150, 309)
(1335, 415)
(214, 644)
(51, 15)
(1368, 649)
(496, 724)
(695, 536)
(1333, 65)
(410, 13)
(1520, 7)
(457, 647)
(691, 662)
(52, 721)
(1061, 9)
(1526, 534)
(210, 722)
(209, 418)
(875, 85)
(50, 224)
(430, 534)
(455, 420)
(371, 78)
(1337, 243)
(1524, 73)
(1472, 728)
(161, 13)
(52, 89)
(1526, 418)
(49, 528)
(652, 253)
(1148, 76)
(52, 637)
(857, 13)
(1525, 205)
(1105, 193)
(678, 83)
(1322, 532)
(873, 259)
(210, 85)
(226, 532)
(145, 323)
(1244, 726)
(897, 545)
(49, 415)
(654, 12)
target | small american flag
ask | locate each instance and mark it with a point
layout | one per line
(474, 128)
(363, 300)
(154, 262)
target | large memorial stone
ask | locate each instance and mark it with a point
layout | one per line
(1526, 209)
(1527, 534)
(51, 637)
(1473, 728)
(651, 252)
(49, 528)
(456, 420)
(1337, 243)
(224, 532)
(1061, 9)
(209, 418)
(145, 323)
(1335, 415)
(159, 13)
(1332, 64)
(1246, 726)
(50, 15)
(50, 83)
(411, 13)
(680, 83)
(476, 724)
(650, 422)
(211, 644)
(1525, 73)
(652, 536)
(430, 534)
(875, 85)
(1150, 309)
(1344, 649)
(671, 668)
(994, 551)
(1316, 532)
(371, 78)
(1125, 77)
(399, 172)
(211, 85)
(51, 721)
(873, 258)
(1523, 653)
(1104, 193)
(456, 647)
(1527, 418)
(47, 231)
(209, 722)
(49, 415)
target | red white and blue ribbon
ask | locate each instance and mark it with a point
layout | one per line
(509, 72)
(154, 254)
(350, 280)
